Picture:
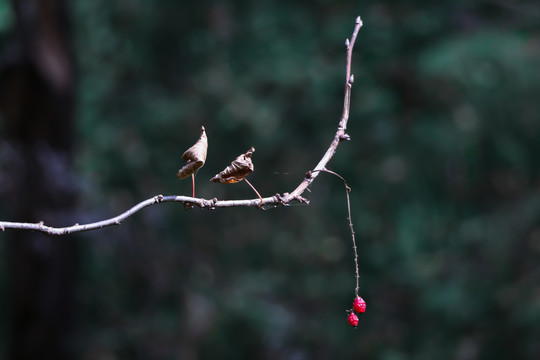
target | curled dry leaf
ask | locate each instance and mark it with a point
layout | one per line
(195, 156)
(238, 170)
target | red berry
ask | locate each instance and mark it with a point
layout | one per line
(359, 305)
(352, 319)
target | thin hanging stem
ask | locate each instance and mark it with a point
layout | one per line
(256, 192)
(347, 191)
(193, 184)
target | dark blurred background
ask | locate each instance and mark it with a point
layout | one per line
(99, 99)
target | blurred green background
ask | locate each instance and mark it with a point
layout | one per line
(443, 166)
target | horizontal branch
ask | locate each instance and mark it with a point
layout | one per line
(189, 202)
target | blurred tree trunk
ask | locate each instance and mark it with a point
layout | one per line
(37, 80)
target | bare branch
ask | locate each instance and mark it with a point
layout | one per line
(342, 127)
(189, 202)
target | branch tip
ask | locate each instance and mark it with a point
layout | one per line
(359, 21)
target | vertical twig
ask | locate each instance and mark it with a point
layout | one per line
(342, 127)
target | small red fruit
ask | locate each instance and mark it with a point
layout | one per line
(352, 319)
(359, 305)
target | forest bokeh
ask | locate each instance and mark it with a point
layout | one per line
(442, 162)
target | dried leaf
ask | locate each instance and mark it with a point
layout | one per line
(195, 156)
(237, 171)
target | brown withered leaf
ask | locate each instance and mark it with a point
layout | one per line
(238, 170)
(195, 156)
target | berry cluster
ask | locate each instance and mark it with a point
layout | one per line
(359, 305)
